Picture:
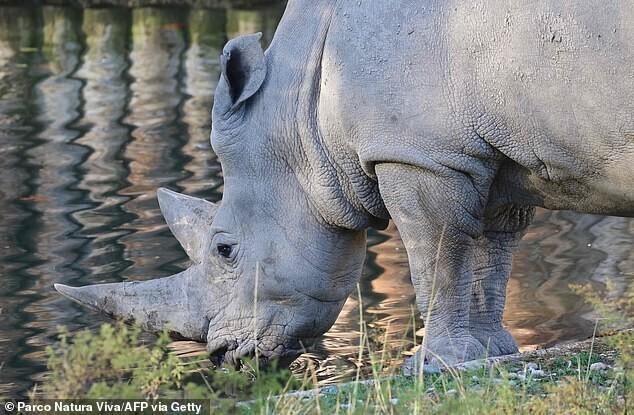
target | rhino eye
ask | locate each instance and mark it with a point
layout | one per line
(224, 250)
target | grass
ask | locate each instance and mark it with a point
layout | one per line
(554, 384)
(115, 363)
(592, 377)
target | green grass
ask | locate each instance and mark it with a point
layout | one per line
(566, 386)
(117, 363)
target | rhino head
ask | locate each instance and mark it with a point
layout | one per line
(269, 273)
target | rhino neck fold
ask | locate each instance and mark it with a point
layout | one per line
(295, 64)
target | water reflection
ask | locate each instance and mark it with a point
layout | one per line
(99, 107)
(564, 248)
(16, 175)
(104, 171)
(206, 32)
(158, 41)
(57, 101)
(244, 22)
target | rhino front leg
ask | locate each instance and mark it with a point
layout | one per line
(438, 216)
(504, 227)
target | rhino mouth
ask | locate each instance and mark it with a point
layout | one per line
(224, 356)
(219, 356)
(234, 356)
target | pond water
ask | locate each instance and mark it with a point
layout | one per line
(100, 107)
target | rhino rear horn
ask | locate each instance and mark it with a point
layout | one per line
(173, 303)
(189, 218)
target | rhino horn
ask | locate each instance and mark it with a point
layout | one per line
(174, 303)
(189, 218)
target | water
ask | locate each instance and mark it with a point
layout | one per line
(99, 107)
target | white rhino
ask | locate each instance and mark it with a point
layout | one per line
(453, 118)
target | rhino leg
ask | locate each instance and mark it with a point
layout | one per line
(436, 213)
(493, 254)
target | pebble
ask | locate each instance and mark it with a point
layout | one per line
(410, 368)
(473, 365)
(538, 373)
(598, 366)
(531, 366)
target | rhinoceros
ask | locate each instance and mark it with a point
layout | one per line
(454, 119)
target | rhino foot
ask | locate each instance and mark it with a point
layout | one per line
(443, 352)
(497, 343)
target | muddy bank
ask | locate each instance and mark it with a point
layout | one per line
(211, 4)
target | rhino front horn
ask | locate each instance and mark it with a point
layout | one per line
(173, 303)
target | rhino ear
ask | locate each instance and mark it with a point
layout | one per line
(243, 67)
(189, 218)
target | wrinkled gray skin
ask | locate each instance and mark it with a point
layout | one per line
(453, 118)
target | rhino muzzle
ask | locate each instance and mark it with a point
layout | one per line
(232, 352)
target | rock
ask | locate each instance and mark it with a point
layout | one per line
(598, 366)
(472, 365)
(531, 366)
(537, 373)
(410, 368)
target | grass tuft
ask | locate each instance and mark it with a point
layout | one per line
(595, 377)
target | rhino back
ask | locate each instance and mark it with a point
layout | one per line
(549, 85)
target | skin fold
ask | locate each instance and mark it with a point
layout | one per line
(453, 119)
